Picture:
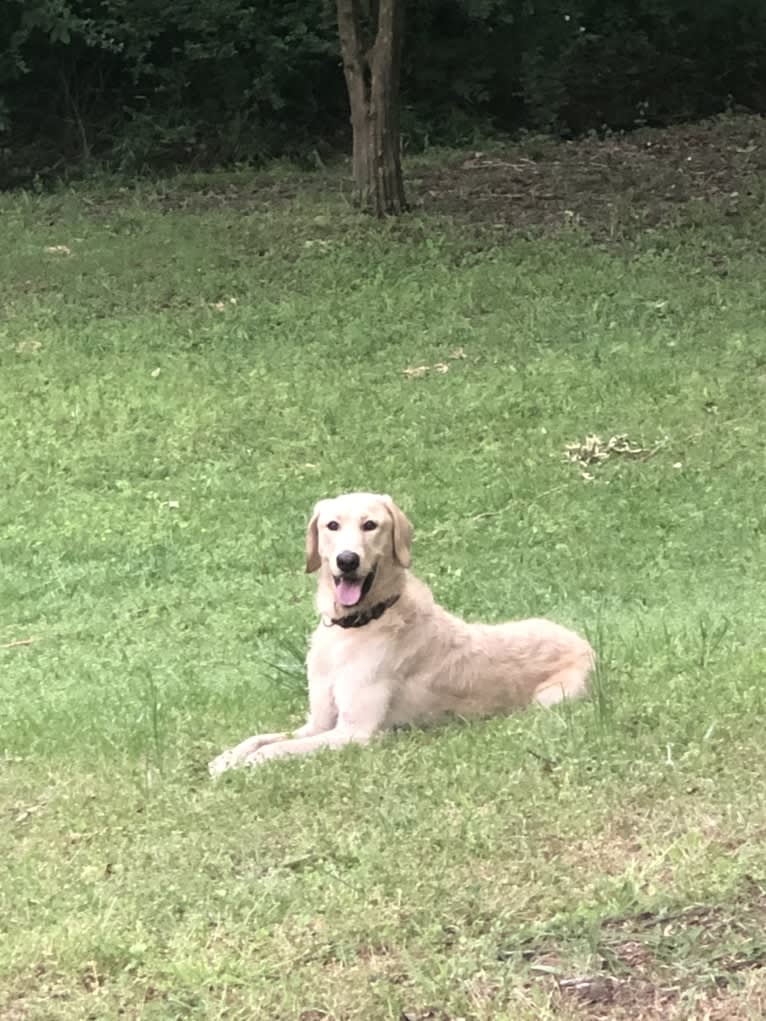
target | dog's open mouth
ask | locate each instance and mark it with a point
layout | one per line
(350, 590)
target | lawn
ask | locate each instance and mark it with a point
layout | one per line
(185, 367)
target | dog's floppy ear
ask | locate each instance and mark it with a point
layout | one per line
(402, 532)
(313, 560)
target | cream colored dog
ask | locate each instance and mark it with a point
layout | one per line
(385, 654)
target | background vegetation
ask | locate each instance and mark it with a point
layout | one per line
(133, 83)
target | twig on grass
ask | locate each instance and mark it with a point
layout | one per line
(19, 641)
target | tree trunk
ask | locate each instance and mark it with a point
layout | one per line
(372, 71)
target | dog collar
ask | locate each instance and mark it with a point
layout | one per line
(361, 619)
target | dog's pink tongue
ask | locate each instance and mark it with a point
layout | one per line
(348, 593)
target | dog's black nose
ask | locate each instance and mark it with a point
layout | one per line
(347, 561)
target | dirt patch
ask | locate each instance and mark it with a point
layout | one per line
(605, 997)
(609, 187)
(721, 940)
(700, 962)
(429, 1014)
(644, 1001)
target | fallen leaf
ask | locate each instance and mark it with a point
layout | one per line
(593, 450)
(28, 346)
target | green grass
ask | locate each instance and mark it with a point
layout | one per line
(241, 362)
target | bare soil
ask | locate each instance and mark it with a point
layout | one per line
(612, 187)
(608, 186)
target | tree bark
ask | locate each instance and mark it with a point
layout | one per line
(371, 43)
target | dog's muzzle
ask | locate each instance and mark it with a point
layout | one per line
(351, 590)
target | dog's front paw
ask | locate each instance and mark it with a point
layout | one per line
(221, 763)
(261, 755)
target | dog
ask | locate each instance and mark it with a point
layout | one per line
(385, 654)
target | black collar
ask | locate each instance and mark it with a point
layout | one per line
(360, 619)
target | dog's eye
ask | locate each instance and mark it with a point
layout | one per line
(369, 526)
(333, 526)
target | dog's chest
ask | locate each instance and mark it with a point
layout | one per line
(349, 658)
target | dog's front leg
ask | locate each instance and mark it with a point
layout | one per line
(240, 753)
(246, 750)
(361, 715)
(304, 745)
(323, 717)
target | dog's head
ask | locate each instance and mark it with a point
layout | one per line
(356, 537)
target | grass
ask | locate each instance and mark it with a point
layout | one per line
(176, 392)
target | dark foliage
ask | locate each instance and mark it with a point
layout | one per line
(133, 83)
